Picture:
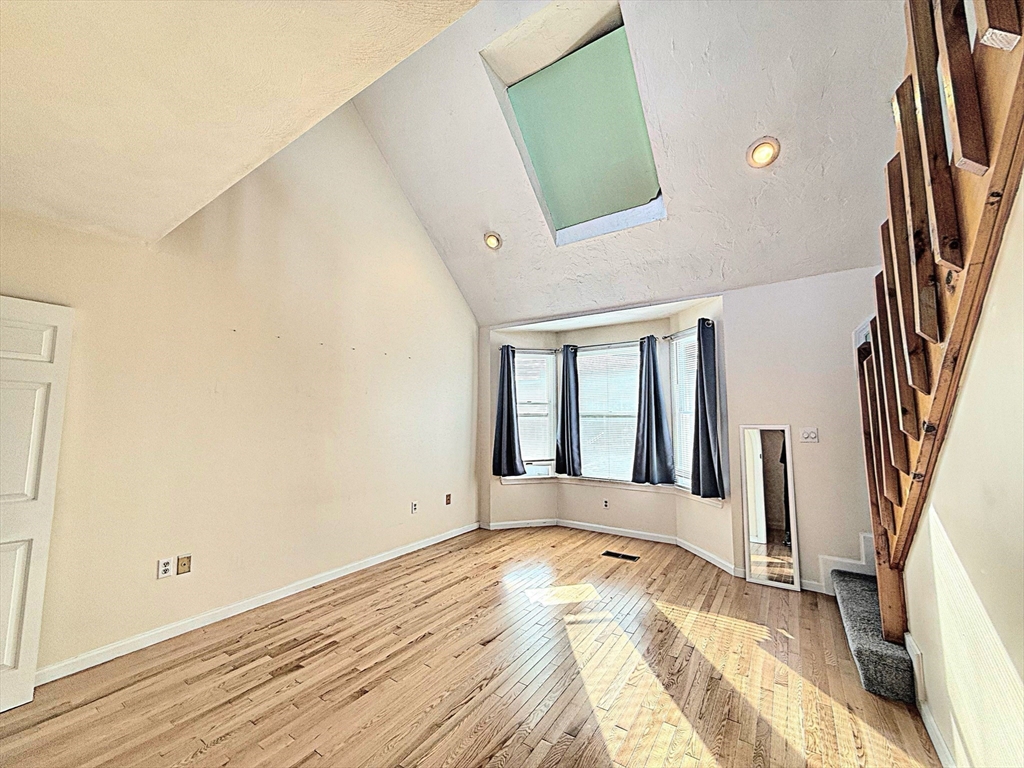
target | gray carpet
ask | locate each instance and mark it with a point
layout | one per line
(884, 667)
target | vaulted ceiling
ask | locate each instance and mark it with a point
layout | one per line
(713, 76)
(127, 117)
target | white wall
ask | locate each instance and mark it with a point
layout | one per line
(789, 359)
(268, 388)
(964, 577)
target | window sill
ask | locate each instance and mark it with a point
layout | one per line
(621, 484)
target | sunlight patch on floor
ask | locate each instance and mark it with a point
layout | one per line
(570, 593)
(772, 688)
(621, 686)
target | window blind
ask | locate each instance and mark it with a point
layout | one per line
(535, 404)
(609, 382)
(684, 400)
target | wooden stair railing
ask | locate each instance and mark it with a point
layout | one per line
(947, 212)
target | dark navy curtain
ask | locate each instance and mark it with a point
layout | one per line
(508, 459)
(706, 471)
(652, 456)
(567, 443)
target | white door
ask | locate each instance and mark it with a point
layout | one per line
(35, 347)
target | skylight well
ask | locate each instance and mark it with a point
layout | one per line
(575, 112)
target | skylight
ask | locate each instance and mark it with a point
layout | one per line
(580, 128)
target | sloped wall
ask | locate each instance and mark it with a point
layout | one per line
(267, 388)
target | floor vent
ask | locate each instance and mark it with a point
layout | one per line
(620, 555)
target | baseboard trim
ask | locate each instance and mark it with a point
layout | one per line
(826, 563)
(713, 559)
(507, 524)
(595, 528)
(941, 748)
(166, 632)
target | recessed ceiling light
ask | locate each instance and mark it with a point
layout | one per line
(763, 152)
(492, 240)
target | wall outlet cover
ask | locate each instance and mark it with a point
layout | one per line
(164, 567)
(447, 499)
(184, 564)
(414, 508)
(808, 434)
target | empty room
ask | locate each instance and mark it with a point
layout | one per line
(511, 383)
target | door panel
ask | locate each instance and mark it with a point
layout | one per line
(35, 347)
(14, 560)
(21, 440)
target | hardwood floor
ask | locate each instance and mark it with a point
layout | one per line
(510, 648)
(772, 562)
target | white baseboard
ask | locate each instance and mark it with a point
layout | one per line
(505, 525)
(917, 659)
(594, 527)
(866, 565)
(814, 586)
(153, 636)
(713, 559)
(941, 748)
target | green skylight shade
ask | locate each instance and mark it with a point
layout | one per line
(584, 129)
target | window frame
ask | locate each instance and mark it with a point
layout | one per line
(545, 467)
(675, 342)
(593, 350)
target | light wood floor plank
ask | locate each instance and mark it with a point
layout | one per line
(466, 653)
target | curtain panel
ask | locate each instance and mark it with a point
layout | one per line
(653, 459)
(706, 472)
(507, 460)
(567, 442)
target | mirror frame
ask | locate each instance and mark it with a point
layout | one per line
(795, 586)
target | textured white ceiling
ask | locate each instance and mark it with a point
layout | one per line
(127, 117)
(713, 76)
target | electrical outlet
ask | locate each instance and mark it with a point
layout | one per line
(808, 434)
(415, 508)
(164, 567)
(447, 499)
(184, 564)
(606, 503)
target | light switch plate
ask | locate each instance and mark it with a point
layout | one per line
(808, 434)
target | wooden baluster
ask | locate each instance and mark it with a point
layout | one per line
(998, 23)
(890, 475)
(900, 281)
(926, 316)
(891, 601)
(963, 110)
(924, 59)
(900, 403)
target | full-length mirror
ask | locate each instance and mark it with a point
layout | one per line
(769, 518)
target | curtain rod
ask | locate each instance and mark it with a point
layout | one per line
(679, 333)
(609, 345)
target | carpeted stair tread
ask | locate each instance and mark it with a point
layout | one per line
(884, 667)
